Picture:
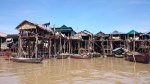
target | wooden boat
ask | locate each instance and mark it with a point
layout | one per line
(119, 55)
(9, 55)
(96, 54)
(9, 58)
(77, 56)
(63, 55)
(119, 52)
(138, 57)
(27, 60)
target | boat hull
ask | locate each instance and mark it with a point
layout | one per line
(9, 58)
(62, 56)
(96, 55)
(119, 56)
(79, 57)
(27, 60)
(139, 58)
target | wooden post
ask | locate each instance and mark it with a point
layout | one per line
(69, 46)
(19, 47)
(29, 48)
(36, 45)
(111, 46)
(49, 47)
(103, 48)
(93, 47)
(89, 45)
(60, 45)
(55, 46)
(85, 44)
(134, 42)
(78, 47)
(107, 47)
(64, 46)
(0, 44)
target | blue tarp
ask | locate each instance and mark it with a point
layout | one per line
(116, 49)
(148, 35)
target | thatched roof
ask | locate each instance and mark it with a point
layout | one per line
(82, 33)
(85, 33)
(30, 25)
(101, 34)
(3, 35)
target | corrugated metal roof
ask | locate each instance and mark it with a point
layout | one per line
(3, 35)
(133, 32)
(101, 34)
(116, 33)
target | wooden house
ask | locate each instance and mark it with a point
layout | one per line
(82, 41)
(101, 36)
(34, 39)
(63, 38)
(101, 43)
(118, 39)
(68, 31)
(116, 35)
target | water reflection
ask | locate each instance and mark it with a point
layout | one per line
(108, 70)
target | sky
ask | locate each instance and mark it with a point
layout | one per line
(92, 15)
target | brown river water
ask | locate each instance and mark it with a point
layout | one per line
(109, 70)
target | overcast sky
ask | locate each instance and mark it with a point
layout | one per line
(91, 15)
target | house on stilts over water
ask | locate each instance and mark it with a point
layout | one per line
(34, 39)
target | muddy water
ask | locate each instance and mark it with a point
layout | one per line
(108, 70)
